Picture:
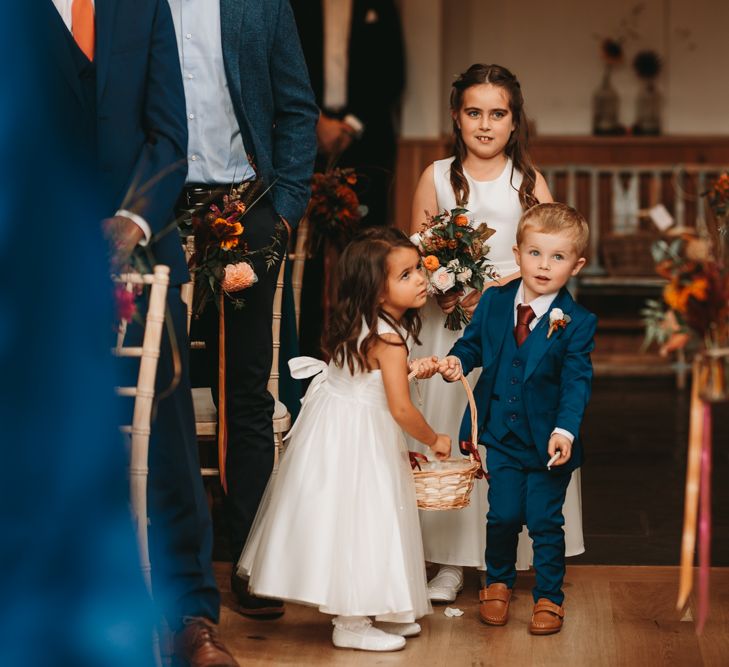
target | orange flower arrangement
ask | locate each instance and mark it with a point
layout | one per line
(222, 260)
(454, 253)
(697, 294)
(334, 208)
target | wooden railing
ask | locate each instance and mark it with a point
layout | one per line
(617, 199)
(613, 181)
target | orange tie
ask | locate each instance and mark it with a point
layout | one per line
(82, 25)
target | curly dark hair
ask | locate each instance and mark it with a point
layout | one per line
(516, 147)
(362, 277)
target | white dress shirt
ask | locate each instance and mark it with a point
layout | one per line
(337, 26)
(540, 306)
(337, 29)
(64, 9)
(215, 153)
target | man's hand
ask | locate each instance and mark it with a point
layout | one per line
(425, 368)
(471, 301)
(332, 135)
(448, 301)
(123, 236)
(559, 443)
(450, 368)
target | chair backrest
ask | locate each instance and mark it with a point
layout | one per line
(143, 393)
(276, 330)
(616, 200)
(297, 269)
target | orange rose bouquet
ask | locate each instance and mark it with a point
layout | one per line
(454, 252)
(222, 261)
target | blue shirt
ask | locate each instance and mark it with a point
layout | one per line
(215, 153)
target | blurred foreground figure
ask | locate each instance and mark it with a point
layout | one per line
(72, 590)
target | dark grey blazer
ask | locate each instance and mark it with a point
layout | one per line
(272, 97)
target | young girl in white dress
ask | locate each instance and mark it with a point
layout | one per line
(338, 526)
(492, 175)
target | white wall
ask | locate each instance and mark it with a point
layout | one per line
(552, 47)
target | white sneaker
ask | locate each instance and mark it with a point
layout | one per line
(445, 585)
(402, 629)
(364, 637)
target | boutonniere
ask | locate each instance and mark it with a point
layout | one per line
(557, 320)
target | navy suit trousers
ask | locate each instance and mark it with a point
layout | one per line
(522, 491)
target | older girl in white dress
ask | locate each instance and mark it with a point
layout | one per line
(491, 174)
(338, 526)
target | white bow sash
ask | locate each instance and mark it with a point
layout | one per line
(306, 367)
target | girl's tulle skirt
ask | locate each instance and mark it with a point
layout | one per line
(338, 526)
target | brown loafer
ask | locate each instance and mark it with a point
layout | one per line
(547, 618)
(494, 607)
(198, 645)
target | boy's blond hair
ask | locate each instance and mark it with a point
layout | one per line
(554, 218)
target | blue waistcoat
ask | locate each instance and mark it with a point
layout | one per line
(508, 411)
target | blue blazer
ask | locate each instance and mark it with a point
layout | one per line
(136, 132)
(272, 97)
(558, 372)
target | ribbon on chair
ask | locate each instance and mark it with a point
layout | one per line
(222, 410)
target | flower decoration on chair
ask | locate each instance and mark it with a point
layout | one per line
(454, 252)
(694, 312)
(335, 211)
(222, 261)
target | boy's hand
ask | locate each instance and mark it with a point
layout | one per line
(442, 446)
(450, 368)
(425, 368)
(559, 443)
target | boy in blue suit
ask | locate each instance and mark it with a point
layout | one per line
(533, 342)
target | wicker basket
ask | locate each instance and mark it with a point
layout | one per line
(446, 485)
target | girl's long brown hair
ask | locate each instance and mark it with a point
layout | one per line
(516, 147)
(362, 278)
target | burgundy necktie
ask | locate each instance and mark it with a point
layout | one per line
(524, 315)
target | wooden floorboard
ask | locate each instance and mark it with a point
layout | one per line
(615, 616)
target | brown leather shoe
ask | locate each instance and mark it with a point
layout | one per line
(494, 607)
(546, 618)
(198, 645)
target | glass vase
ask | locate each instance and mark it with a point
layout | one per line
(605, 108)
(648, 111)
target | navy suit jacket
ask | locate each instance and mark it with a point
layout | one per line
(138, 140)
(272, 97)
(558, 372)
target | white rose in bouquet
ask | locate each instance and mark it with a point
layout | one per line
(417, 240)
(454, 265)
(464, 275)
(442, 279)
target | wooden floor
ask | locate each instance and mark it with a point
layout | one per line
(615, 616)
